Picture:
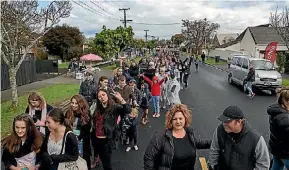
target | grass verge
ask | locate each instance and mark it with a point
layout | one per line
(63, 65)
(112, 67)
(212, 61)
(285, 82)
(54, 94)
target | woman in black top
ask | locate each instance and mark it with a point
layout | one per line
(175, 148)
(20, 148)
(104, 132)
(53, 151)
(38, 108)
(79, 115)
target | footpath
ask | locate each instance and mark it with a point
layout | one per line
(62, 79)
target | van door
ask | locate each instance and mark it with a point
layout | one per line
(245, 69)
(233, 66)
(239, 69)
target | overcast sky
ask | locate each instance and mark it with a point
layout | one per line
(233, 16)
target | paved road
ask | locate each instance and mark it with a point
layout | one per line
(208, 95)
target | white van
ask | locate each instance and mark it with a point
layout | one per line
(266, 75)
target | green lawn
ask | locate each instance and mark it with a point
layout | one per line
(285, 82)
(63, 65)
(212, 61)
(54, 94)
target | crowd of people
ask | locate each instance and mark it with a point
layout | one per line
(105, 114)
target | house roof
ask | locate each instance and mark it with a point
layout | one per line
(265, 35)
(262, 34)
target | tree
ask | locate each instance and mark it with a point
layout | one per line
(177, 39)
(151, 45)
(74, 52)
(60, 38)
(22, 26)
(197, 32)
(280, 21)
(110, 42)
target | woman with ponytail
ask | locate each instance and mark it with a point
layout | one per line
(53, 150)
(79, 115)
(22, 145)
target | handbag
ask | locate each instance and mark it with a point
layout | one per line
(79, 164)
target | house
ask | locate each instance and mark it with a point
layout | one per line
(254, 40)
(220, 39)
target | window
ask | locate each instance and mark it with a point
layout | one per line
(245, 64)
(262, 65)
(239, 62)
(234, 60)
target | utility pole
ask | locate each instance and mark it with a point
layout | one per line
(146, 35)
(124, 16)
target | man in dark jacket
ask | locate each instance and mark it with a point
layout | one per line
(249, 81)
(88, 88)
(236, 146)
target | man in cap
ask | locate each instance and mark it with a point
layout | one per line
(236, 146)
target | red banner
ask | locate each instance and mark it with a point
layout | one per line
(270, 51)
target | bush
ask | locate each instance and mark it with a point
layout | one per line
(41, 54)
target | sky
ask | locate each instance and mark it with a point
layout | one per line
(233, 16)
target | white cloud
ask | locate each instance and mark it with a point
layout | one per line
(233, 17)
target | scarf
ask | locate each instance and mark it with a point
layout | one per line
(43, 116)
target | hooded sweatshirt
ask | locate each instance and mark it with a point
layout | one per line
(279, 131)
(155, 88)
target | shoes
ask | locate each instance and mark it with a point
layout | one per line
(252, 95)
(128, 149)
(157, 115)
(135, 147)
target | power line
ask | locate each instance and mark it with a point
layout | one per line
(92, 9)
(142, 23)
(103, 9)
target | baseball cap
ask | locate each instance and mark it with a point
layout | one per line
(231, 113)
(132, 81)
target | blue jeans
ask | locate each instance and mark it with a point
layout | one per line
(156, 103)
(249, 87)
(280, 164)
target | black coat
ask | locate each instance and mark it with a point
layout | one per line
(279, 131)
(110, 122)
(88, 90)
(134, 71)
(160, 151)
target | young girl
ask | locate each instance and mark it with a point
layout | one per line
(155, 90)
(21, 147)
(145, 97)
(79, 115)
(132, 130)
(38, 108)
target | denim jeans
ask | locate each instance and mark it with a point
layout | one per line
(249, 87)
(156, 103)
(279, 164)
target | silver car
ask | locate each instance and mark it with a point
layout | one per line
(266, 75)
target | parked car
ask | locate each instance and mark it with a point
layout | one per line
(266, 75)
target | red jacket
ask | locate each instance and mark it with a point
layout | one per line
(155, 88)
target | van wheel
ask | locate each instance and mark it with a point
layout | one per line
(230, 81)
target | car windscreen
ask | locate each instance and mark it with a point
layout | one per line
(262, 65)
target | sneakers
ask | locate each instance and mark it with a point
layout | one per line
(129, 148)
(135, 147)
(164, 107)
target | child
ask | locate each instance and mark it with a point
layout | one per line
(163, 97)
(197, 63)
(145, 96)
(156, 91)
(132, 130)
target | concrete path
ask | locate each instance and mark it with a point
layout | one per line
(62, 79)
